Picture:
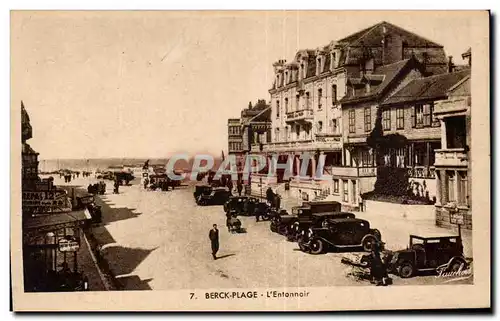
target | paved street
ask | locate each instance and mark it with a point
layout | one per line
(159, 240)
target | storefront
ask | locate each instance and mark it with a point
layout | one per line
(50, 252)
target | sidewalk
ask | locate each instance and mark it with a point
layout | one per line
(89, 267)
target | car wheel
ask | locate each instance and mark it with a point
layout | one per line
(272, 226)
(368, 243)
(317, 246)
(406, 270)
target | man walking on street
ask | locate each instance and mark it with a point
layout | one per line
(214, 239)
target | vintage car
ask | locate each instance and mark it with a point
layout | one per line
(243, 205)
(124, 178)
(202, 189)
(88, 202)
(341, 233)
(429, 254)
(283, 223)
(161, 181)
(218, 196)
(280, 221)
(305, 222)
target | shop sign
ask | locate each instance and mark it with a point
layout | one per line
(70, 245)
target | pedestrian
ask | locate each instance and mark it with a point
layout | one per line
(378, 270)
(214, 239)
(239, 187)
(277, 200)
(230, 185)
(116, 186)
(269, 195)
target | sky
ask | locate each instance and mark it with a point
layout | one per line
(150, 84)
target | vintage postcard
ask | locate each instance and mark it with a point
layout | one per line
(250, 160)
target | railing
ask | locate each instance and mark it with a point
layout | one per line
(422, 172)
(288, 146)
(451, 157)
(303, 114)
(351, 171)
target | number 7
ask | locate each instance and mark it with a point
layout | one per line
(192, 295)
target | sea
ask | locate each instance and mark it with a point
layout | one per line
(94, 164)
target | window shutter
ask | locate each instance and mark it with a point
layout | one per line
(413, 121)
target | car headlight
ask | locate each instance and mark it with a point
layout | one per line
(310, 233)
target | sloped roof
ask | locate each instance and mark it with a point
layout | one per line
(375, 34)
(386, 73)
(433, 87)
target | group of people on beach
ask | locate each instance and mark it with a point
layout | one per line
(97, 188)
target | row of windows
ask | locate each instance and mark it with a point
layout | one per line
(302, 72)
(307, 101)
(235, 146)
(319, 129)
(234, 130)
(456, 189)
(421, 115)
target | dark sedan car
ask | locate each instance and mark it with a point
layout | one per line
(344, 233)
(218, 196)
(314, 220)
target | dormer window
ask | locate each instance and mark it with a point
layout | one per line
(303, 71)
(353, 91)
(320, 98)
(367, 88)
(333, 57)
(318, 66)
(286, 78)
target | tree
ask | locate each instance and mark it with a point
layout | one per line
(391, 180)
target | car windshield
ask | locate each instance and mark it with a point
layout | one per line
(415, 240)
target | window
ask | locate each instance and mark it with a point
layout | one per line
(334, 95)
(307, 100)
(286, 105)
(286, 78)
(367, 88)
(320, 126)
(400, 118)
(352, 121)
(303, 71)
(286, 133)
(422, 115)
(336, 186)
(334, 60)
(320, 98)
(297, 131)
(297, 102)
(451, 186)
(277, 109)
(434, 120)
(318, 69)
(277, 134)
(427, 115)
(334, 126)
(401, 157)
(463, 197)
(368, 119)
(346, 191)
(386, 119)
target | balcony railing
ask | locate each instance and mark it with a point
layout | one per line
(288, 146)
(300, 115)
(422, 172)
(351, 171)
(452, 157)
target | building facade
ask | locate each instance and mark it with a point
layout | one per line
(307, 114)
(453, 171)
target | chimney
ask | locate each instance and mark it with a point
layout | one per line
(450, 64)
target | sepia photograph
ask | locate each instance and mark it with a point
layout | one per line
(250, 160)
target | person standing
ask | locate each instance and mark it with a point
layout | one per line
(214, 239)
(239, 187)
(230, 185)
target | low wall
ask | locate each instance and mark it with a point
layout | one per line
(412, 212)
(443, 217)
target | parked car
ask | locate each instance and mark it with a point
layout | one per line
(238, 204)
(280, 221)
(342, 233)
(218, 196)
(284, 223)
(88, 202)
(305, 222)
(124, 178)
(202, 189)
(429, 254)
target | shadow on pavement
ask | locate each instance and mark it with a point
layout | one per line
(124, 260)
(225, 255)
(133, 283)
